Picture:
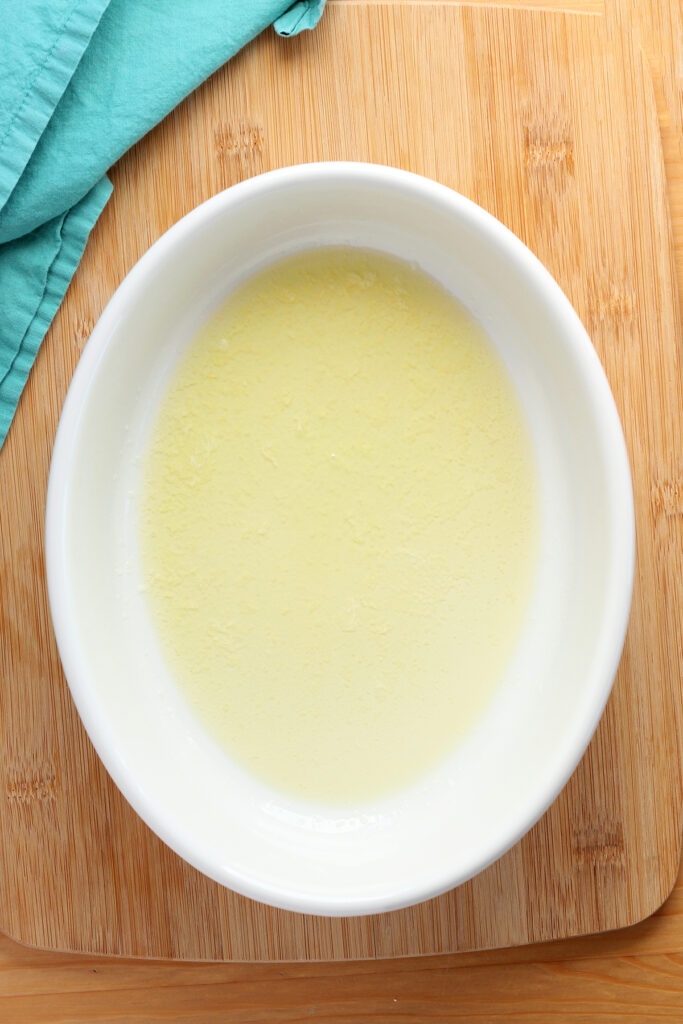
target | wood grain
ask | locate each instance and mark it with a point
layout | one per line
(552, 122)
(634, 975)
(563, 6)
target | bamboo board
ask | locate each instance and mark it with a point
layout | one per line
(546, 119)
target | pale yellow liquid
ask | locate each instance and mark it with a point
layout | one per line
(339, 524)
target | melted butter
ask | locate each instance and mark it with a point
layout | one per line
(339, 524)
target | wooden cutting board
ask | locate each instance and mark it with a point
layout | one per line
(549, 121)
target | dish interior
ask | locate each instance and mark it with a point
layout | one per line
(337, 524)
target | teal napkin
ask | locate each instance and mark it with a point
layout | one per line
(80, 82)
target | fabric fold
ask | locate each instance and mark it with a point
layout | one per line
(36, 80)
(300, 16)
(38, 268)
